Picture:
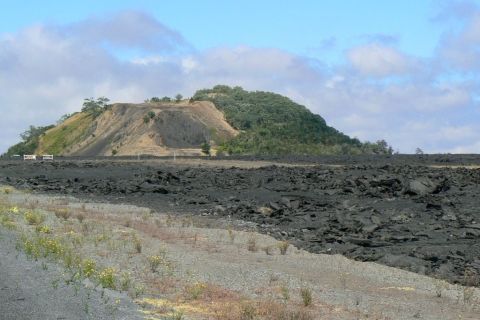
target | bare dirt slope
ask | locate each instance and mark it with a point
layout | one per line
(147, 128)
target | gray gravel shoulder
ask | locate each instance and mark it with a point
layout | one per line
(39, 290)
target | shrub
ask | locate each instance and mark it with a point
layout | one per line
(231, 235)
(285, 293)
(137, 244)
(283, 246)
(160, 260)
(34, 218)
(306, 295)
(43, 229)
(7, 222)
(154, 262)
(248, 312)
(62, 213)
(206, 148)
(176, 315)
(80, 217)
(107, 278)
(196, 290)
(125, 281)
(252, 244)
(89, 267)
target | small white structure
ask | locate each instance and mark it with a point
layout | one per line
(29, 157)
(47, 157)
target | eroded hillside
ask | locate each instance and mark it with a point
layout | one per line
(147, 128)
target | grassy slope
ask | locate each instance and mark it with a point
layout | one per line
(58, 139)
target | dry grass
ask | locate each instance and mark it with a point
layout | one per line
(62, 213)
(307, 296)
(252, 244)
(283, 246)
(99, 246)
(80, 217)
(34, 218)
(137, 244)
(264, 310)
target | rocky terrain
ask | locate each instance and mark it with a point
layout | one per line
(400, 213)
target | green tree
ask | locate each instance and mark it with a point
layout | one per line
(155, 99)
(166, 99)
(95, 107)
(273, 124)
(30, 141)
(178, 98)
(206, 148)
(63, 118)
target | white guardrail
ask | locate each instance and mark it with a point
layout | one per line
(29, 157)
(34, 157)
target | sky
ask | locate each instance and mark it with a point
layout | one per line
(403, 71)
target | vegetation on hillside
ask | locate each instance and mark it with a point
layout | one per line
(95, 107)
(60, 138)
(30, 141)
(269, 124)
(274, 124)
(70, 129)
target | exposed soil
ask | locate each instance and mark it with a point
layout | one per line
(168, 127)
(403, 214)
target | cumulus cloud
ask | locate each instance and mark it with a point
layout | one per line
(378, 60)
(128, 29)
(47, 70)
(458, 50)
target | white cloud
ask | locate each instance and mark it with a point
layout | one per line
(459, 49)
(378, 60)
(46, 71)
(471, 148)
(155, 59)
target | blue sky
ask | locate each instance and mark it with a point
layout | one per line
(317, 28)
(404, 71)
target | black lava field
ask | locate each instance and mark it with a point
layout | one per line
(406, 212)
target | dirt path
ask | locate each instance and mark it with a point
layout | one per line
(248, 264)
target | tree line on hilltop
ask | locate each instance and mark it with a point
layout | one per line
(269, 124)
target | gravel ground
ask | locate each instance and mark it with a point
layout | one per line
(32, 290)
(342, 288)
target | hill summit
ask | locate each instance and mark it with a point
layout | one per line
(227, 120)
